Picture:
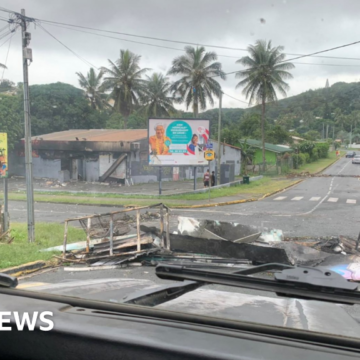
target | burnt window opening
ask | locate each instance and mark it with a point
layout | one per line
(143, 155)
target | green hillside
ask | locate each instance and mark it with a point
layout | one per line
(336, 110)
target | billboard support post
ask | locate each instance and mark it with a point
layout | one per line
(209, 181)
(195, 168)
(219, 141)
(6, 205)
(160, 175)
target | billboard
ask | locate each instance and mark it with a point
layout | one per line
(176, 142)
(3, 156)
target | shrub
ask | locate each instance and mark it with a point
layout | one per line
(314, 154)
(298, 160)
(306, 147)
(307, 158)
(303, 159)
(323, 149)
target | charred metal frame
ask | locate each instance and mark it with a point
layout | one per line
(164, 234)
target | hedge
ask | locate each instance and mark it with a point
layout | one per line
(323, 149)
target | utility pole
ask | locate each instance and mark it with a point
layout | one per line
(219, 141)
(333, 132)
(351, 135)
(27, 55)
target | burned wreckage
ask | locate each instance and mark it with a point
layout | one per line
(152, 236)
(202, 258)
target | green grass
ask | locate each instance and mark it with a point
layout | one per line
(20, 251)
(254, 189)
(87, 200)
(319, 165)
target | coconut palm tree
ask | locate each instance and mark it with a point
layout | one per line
(92, 85)
(156, 99)
(265, 73)
(123, 79)
(197, 85)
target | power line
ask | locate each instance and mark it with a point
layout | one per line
(117, 38)
(192, 43)
(172, 48)
(73, 52)
(8, 38)
(236, 98)
(298, 56)
(322, 51)
(7, 55)
(297, 63)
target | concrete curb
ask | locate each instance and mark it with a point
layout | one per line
(25, 268)
(213, 205)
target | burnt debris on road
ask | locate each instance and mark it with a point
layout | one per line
(131, 237)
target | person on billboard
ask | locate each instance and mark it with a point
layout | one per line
(159, 143)
(193, 144)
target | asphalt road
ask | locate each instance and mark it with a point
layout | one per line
(321, 206)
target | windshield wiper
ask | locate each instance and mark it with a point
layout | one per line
(300, 282)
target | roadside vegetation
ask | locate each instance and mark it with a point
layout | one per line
(255, 189)
(20, 251)
(320, 164)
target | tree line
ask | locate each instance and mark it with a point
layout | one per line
(123, 82)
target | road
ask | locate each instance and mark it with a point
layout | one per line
(320, 206)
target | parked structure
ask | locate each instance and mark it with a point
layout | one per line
(106, 155)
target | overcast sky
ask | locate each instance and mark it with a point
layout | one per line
(301, 26)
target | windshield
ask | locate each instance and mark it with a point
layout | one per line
(186, 133)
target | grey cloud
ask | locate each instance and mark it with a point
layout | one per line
(300, 26)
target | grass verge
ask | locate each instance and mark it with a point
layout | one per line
(20, 251)
(254, 189)
(318, 165)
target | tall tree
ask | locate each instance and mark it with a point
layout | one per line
(92, 85)
(265, 74)
(156, 100)
(197, 85)
(124, 80)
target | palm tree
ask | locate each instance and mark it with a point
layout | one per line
(156, 100)
(264, 76)
(92, 84)
(197, 85)
(125, 83)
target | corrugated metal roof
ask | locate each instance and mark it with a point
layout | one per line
(112, 135)
(270, 147)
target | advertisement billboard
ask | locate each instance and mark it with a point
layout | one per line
(3, 156)
(177, 142)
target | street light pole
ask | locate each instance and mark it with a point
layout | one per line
(219, 141)
(27, 55)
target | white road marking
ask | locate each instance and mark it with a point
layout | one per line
(350, 201)
(343, 168)
(333, 199)
(315, 198)
(281, 198)
(296, 198)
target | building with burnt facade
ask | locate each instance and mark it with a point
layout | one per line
(103, 155)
